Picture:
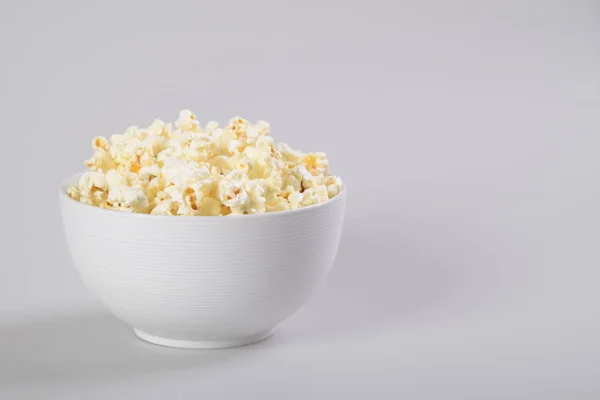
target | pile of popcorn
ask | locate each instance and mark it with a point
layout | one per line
(186, 169)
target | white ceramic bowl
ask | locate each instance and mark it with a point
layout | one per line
(202, 282)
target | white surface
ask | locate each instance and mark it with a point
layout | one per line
(467, 131)
(202, 281)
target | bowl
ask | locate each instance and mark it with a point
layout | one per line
(202, 282)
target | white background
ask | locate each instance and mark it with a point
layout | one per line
(468, 136)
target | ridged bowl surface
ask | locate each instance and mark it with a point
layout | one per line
(202, 281)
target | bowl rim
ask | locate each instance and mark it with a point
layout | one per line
(62, 191)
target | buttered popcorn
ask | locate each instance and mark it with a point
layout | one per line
(187, 169)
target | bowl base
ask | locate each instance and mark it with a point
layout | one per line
(203, 344)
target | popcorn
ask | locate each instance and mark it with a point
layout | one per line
(315, 163)
(128, 199)
(306, 179)
(280, 204)
(163, 207)
(91, 181)
(271, 190)
(186, 169)
(101, 160)
(312, 196)
(114, 179)
(334, 185)
(239, 127)
(289, 154)
(158, 127)
(210, 206)
(91, 189)
(187, 121)
(256, 200)
(295, 199)
(262, 128)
